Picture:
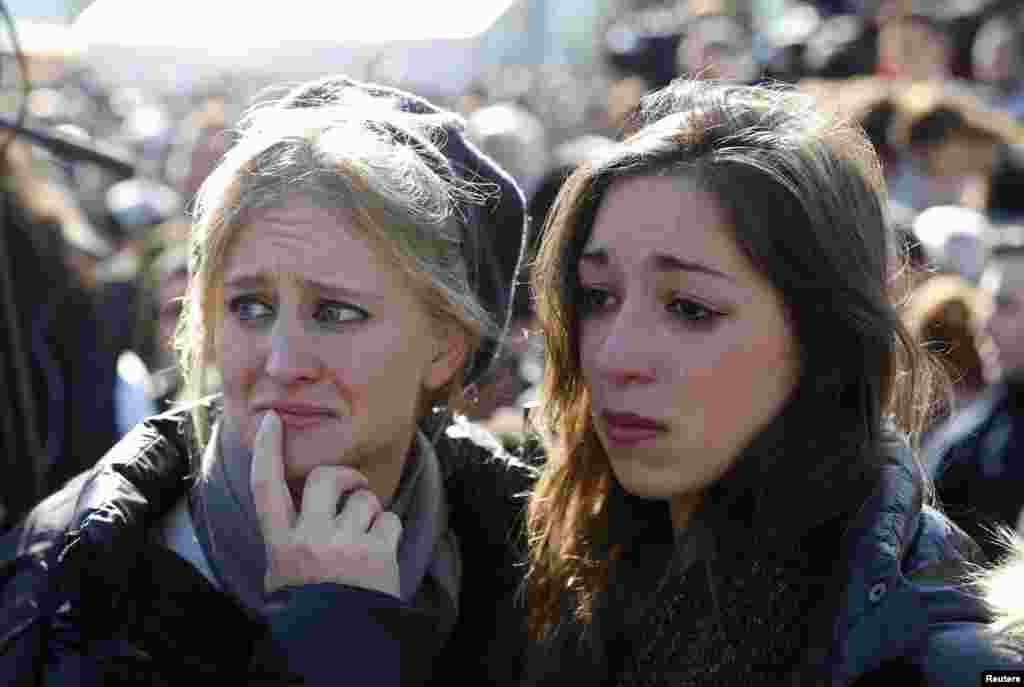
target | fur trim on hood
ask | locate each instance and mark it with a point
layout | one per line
(1001, 584)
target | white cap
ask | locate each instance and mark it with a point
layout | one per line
(953, 237)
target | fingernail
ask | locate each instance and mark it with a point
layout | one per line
(269, 416)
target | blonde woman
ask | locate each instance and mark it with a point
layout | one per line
(320, 520)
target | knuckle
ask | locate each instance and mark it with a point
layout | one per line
(321, 473)
(350, 474)
(261, 490)
(369, 499)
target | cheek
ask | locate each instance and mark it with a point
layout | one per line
(235, 355)
(381, 366)
(744, 387)
(589, 342)
(996, 328)
(239, 360)
(1013, 333)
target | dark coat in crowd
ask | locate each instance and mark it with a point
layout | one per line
(869, 597)
(89, 598)
(977, 462)
(57, 375)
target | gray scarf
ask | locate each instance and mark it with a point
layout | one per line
(228, 528)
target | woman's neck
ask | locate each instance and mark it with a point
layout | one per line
(681, 509)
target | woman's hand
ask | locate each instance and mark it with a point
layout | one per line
(357, 547)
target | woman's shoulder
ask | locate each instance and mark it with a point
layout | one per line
(468, 452)
(486, 483)
(972, 610)
(910, 598)
(141, 476)
(999, 586)
(959, 647)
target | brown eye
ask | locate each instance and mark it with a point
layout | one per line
(592, 300)
(692, 311)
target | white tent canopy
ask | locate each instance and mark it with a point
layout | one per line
(172, 43)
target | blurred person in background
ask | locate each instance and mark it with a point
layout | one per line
(915, 46)
(325, 501)
(58, 408)
(169, 276)
(953, 144)
(997, 58)
(717, 46)
(1005, 200)
(945, 314)
(203, 140)
(977, 456)
(643, 45)
(953, 240)
(621, 98)
(515, 138)
(843, 46)
(136, 207)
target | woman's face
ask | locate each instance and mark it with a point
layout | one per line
(319, 328)
(685, 347)
(915, 50)
(1003, 281)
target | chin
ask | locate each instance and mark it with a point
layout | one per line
(303, 454)
(645, 484)
(657, 481)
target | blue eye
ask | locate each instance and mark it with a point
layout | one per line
(693, 312)
(336, 313)
(248, 308)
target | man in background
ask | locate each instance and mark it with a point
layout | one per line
(977, 457)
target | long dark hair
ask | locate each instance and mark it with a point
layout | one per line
(806, 199)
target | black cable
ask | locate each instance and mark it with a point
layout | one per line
(19, 56)
(29, 455)
(68, 149)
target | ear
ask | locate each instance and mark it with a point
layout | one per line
(449, 351)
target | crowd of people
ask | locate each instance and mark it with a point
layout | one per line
(716, 374)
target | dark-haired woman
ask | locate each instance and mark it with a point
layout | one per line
(731, 493)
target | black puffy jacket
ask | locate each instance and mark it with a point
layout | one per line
(87, 597)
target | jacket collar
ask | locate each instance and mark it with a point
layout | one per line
(124, 495)
(882, 614)
(970, 420)
(878, 618)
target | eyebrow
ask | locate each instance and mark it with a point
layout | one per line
(663, 262)
(261, 281)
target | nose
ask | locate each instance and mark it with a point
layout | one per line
(291, 358)
(624, 353)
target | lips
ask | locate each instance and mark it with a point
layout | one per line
(629, 429)
(299, 415)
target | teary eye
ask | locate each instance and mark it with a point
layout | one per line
(592, 300)
(333, 312)
(248, 308)
(693, 312)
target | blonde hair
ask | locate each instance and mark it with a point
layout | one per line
(381, 167)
